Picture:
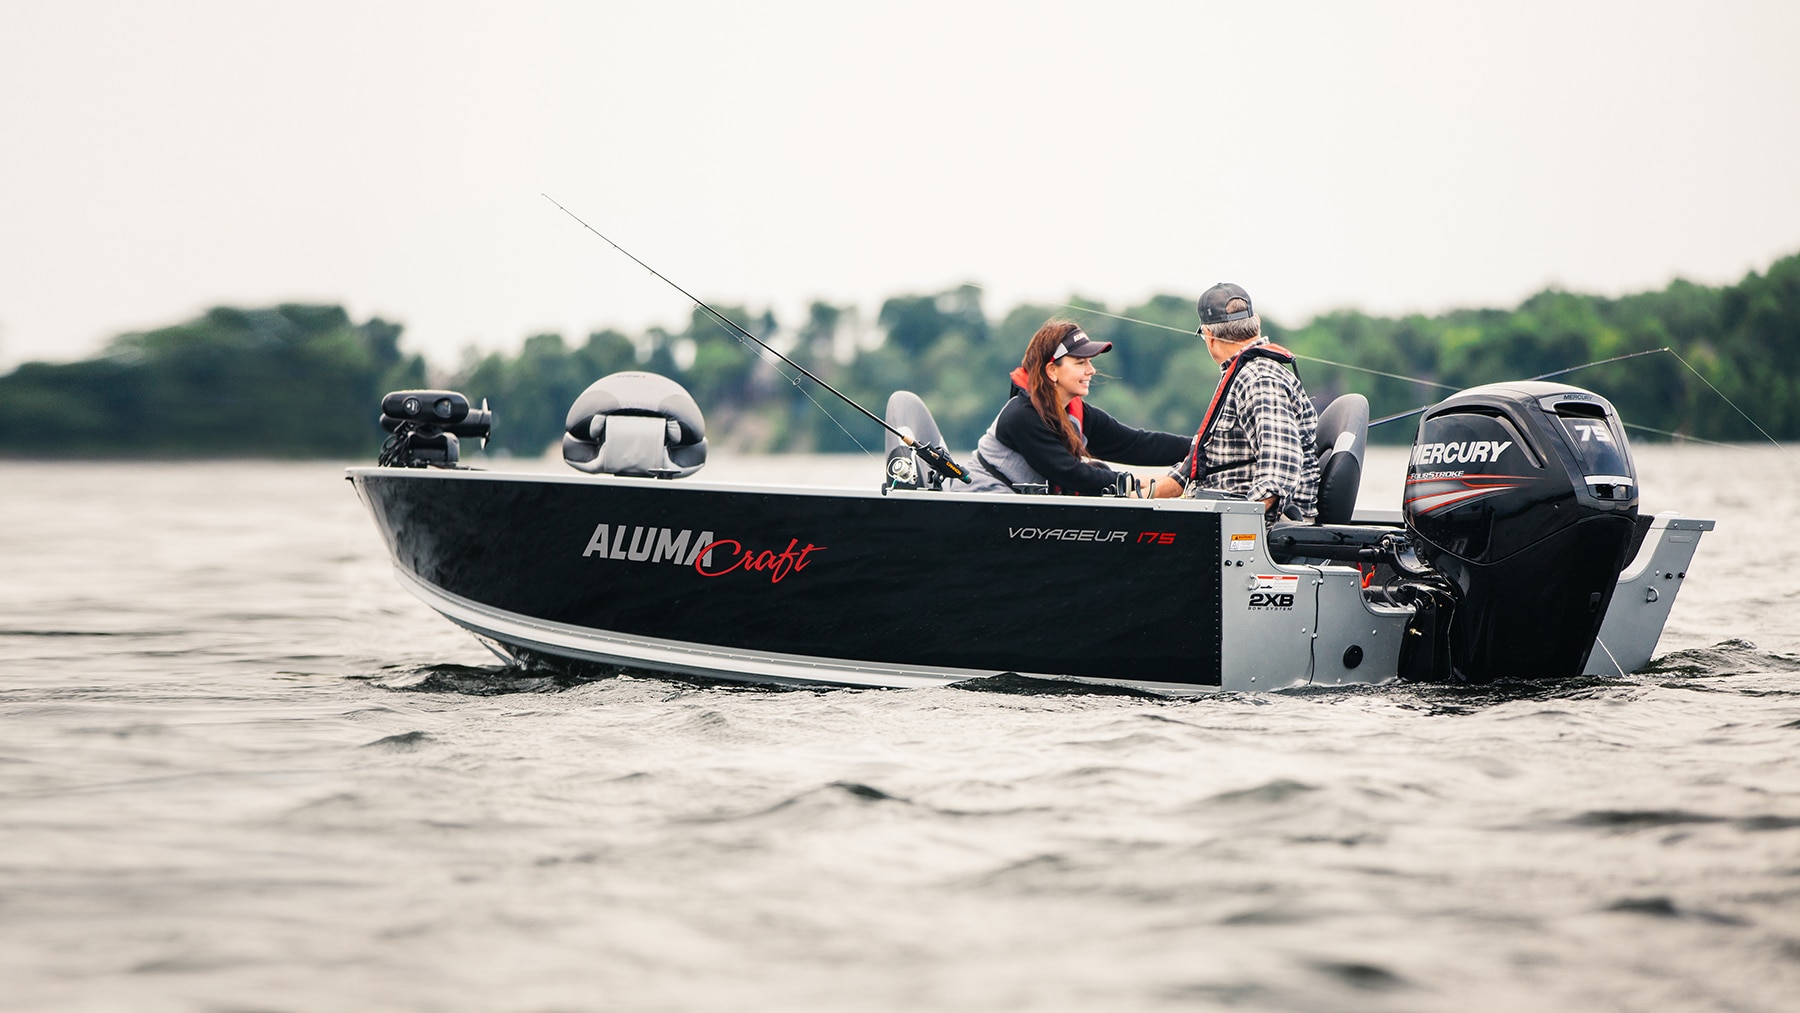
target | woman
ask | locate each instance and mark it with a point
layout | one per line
(1047, 435)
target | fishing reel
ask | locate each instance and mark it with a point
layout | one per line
(920, 465)
(916, 455)
(902, 470)
(907, 470)
(428, 427)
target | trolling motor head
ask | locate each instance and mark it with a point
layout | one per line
(426, 427)
(1523, 497)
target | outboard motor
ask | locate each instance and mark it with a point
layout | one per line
(426, 426)
(634, 423)
(1523, 496)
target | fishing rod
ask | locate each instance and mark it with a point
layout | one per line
(937, 457)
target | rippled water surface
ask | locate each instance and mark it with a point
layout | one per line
(240, 769)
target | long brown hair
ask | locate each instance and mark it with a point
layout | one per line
(1038, 354)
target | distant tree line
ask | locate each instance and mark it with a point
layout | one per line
(292, 381)
(306, 381)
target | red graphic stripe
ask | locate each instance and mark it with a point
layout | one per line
(1445, 499)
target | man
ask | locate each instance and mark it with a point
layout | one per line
(1256, 441)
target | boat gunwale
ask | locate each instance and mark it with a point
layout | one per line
(1223, 506)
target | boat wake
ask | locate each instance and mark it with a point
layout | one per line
(545, 675)
(474, 680)
(1014, 684)
(1729, 657)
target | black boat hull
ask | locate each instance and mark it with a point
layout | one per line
(916, 588)
(948, 584)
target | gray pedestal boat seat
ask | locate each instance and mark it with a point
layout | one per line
(634, 423)
(907, 413)
(1342, 437)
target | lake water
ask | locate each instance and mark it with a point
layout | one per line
(241, 769)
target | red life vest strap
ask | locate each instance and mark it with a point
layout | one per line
(1077, 409)
(1267, 350)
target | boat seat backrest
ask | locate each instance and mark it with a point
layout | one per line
(1343, 436)
(631, 444)
(635, 423)
(906, 412)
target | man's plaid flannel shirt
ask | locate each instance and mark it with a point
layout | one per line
(1264, 439)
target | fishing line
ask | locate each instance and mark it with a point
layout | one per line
(1628, 425)
(731, 328)
(937, 457)
(796, 382)
(1609, 657)
(1546, 376)
(954, 470)
(1727, 400)
(1183, 330)
(804, 392)
(1681, 437)
(1446, 386)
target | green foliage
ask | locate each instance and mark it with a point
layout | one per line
(305, 380)
(292, 381)
(916, 323)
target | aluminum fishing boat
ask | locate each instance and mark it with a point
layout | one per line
(1518, 552)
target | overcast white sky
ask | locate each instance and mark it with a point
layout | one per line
(158, 158)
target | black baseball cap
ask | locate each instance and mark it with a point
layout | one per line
(1213, 303)
(1080, 346)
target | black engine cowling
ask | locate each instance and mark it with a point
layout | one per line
(1523, 496)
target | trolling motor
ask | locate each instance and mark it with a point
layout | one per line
(427, 427)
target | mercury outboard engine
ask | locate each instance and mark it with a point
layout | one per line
(426, 426)
(1523, 496)
(634, 423)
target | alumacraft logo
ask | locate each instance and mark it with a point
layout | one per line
(1466, 452)
(709, 556)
